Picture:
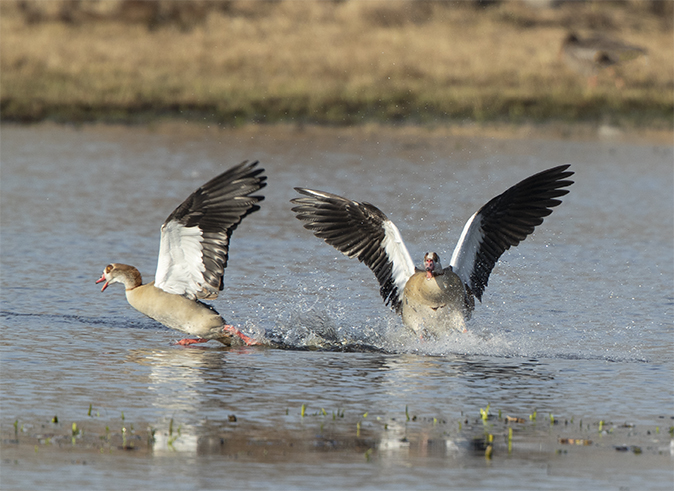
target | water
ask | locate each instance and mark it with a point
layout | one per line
(576, 322)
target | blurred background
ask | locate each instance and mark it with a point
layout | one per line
(338, 62)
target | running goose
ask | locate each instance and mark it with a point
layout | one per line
(193, 254)
(433, 300)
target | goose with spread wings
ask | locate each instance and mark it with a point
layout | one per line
(433, 300)
(193, 254)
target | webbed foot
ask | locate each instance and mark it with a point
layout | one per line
(247, 340)
(188, 342)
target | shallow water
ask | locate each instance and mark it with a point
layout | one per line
(576, 321)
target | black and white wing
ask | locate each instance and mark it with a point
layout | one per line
(362, 231)
(195, 238)
(505, 221)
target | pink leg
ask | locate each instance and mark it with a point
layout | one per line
(248, 341)
(187, 342)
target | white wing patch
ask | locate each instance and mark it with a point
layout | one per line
(180, 266)
(465, 252)
(403, 266)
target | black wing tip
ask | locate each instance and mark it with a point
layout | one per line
(316, 195)
(246, 167)
(239, 172)
(306, 191)
(248, 164)
(252, 172)
(560, 172)
(313, 199)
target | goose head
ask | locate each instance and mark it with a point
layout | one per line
(432, 264)
(120, 273)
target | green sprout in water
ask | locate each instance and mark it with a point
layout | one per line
(510, 439)
(490, 446)
(601, 425)
(407, 413)
(171, 438)
(74, 434)
(532, 416)
(89, 412)
(484, 413)
(304, 408)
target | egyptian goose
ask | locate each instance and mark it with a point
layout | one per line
(193, 254)
(589, 55)
(433, 300)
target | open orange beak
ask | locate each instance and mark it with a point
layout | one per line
(102, 278)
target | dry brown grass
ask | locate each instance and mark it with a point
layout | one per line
(331, 62)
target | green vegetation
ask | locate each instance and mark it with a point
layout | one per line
(340, 63)
(310, 431)
(484, 413)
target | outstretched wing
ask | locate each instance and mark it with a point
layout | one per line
(362, 231)
(505, 221)
(195, 238)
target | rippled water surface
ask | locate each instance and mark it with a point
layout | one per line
(574, 335)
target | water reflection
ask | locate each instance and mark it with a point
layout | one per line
(214, 400)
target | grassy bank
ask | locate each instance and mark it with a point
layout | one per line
(337, 62)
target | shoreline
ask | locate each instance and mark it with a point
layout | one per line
(556, 131)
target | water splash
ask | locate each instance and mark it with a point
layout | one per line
(307, 326)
